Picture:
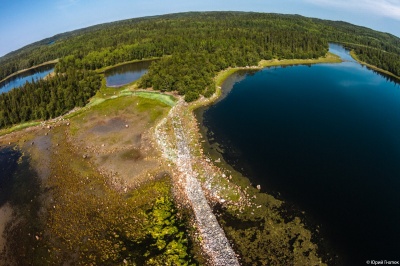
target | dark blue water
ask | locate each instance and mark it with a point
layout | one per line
(325, 138)
(125, 74)
(27, 76)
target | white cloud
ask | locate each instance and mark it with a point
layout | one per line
(384, 8)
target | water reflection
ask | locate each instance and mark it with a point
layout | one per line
(125, 74)
(27, 76)
(325, 138)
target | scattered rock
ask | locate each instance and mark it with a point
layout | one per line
(126, 126)
(84, 156)
(258, 187)
(218, 160)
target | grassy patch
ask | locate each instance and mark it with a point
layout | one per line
(223, 75)
(18, 127)
(329, 58)
(154, 107)
(164, 98)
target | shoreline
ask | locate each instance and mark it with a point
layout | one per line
(380, 70)
(221, 184)
(55, 61)
(329, 58)
(251, 195)
(219, 79)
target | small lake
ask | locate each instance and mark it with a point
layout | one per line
(27, 76)
(325, 138)
(127, 73)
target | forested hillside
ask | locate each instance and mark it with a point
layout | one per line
(200, 44)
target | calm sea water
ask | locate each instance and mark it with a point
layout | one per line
(125, 74)
(325, 138)
(27, 76)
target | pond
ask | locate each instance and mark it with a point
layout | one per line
(324, 138)
(26, 76)
(127, 73)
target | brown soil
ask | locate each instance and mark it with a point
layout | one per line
(118, 144)
(5, 217)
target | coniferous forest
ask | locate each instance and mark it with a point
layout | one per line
(193, 47)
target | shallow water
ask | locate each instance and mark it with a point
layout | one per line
(20, 193)
(324, 138)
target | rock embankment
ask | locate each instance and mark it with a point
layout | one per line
(213, 239)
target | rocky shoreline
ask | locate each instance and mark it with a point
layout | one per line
(213, 240)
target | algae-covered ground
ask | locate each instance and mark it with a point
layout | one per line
(94, 191)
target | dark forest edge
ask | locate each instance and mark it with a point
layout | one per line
(193, 48)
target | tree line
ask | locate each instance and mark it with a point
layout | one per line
(48, 98)
(119, 41)
(382, 59)
(193, 47)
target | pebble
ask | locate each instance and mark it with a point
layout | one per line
(218, 248)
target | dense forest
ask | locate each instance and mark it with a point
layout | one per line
(194, 46)
(48, 98)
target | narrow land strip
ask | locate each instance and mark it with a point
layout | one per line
(214, 242)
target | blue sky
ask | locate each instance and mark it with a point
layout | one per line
(25, 21)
